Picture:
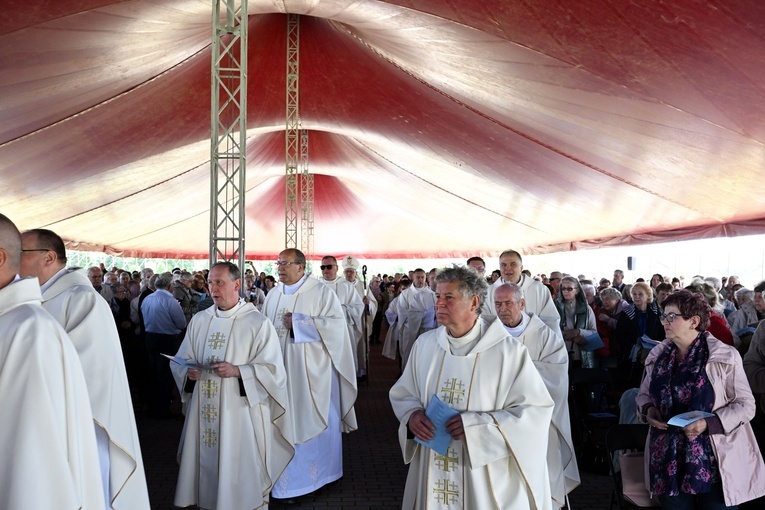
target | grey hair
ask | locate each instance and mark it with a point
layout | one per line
(714, 282)
(743, 295)
(590, 287)
(610, 293)
(471, 283)
(164, 281)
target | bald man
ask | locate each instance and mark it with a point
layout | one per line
(46, 427)
(549, 355)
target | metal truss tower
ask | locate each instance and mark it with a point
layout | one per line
(292, 132)
(306, 200)
(229, 131)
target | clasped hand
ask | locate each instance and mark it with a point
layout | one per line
(654, 419)
(222, 369)
(423, 428)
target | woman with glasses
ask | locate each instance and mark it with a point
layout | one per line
(713, 462)
(577, 321)
(637, 321)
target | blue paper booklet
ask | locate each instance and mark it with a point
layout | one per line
(648, 342)
(684, 419)
(592, 342)
(438, 413)
(186, 363)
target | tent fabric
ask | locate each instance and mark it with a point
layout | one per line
(437, 128)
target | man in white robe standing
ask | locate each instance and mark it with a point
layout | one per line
(548, 352)
(414, 309)
(353, 307)
(350, 270)
(539, 301)
(496, 453)
(50, 457)
(86, 317)
(236, 440)
(321, 379)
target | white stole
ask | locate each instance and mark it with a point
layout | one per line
(209, 395)
(446, 473)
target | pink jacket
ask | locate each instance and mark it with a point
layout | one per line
(740, 464)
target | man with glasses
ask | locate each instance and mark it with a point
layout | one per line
(96, 277)
(554, 280)
(478, 265)
(350, 300)
(50, 458)
(71, 299)
(321, 379)
(539, 301)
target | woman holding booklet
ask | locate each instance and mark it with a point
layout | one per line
(714, 461)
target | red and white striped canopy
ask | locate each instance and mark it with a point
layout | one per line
(437, 128)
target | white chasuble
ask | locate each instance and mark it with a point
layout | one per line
(321, 381)
(50, 458)
(235, 443)
(550, 357)
(505, 410)
(86, 317)
(209, 395)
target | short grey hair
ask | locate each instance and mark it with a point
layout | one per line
(610, 293)
(164, 281)
(714, 282)
(590, 287)
(515, 290)
(471, 283)
(744, 295)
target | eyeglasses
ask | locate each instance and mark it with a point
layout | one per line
(285, 263)
(567, 289)
(553, 279)
(670, 317)
(328, 266)
(35, 249)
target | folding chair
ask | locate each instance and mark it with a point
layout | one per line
(621, 437)
(591, 416)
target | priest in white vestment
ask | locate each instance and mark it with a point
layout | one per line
(70, 298)
(539, 301)
(350, 270)
(353, 307)
(496, 455)
(414, 311)
(236, 440)
(550, 357)
(321, 378)
(49, 451)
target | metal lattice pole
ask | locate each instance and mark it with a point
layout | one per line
(292, 131)
(228, 131)
(306, 200)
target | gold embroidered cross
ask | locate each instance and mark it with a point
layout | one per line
(209, 388)
(216, 340)
(448, 462)
(209, 413)
(446, 492)
(212, 359)
(210, 438)
(453, 391)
